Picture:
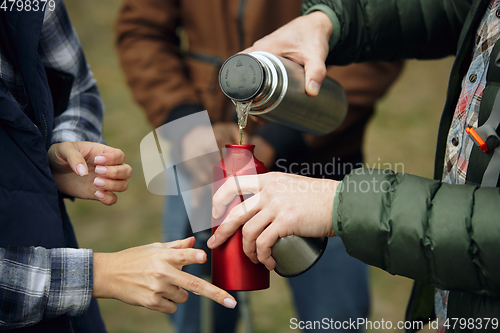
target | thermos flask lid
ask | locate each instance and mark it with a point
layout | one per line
(241, 77)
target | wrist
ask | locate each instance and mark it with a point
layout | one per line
(335, 208)
(328, 20)
(102, 283)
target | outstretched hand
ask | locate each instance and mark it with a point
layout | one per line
(151, 276)
(89, 170)
(304, 40)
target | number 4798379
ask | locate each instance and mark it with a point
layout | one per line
(27, 5)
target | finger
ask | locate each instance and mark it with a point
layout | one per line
(181, 244)
(315, 73)
(107, 198)
(123, 171)
(111, 156)
(175, 294)
(70, 152)
(250, 204)
(264, 243)
(110, 185)
(201, 287)
(185, 256)
(252, 230)
(229, 226)
(161, 304)
(232, 187)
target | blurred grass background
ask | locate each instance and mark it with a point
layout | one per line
(403, 132)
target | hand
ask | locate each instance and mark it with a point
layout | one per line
(263, 151)
(283, 205)
(151, 276)
(89, 170)
(303, 40)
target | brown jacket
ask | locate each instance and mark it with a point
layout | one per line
(171, 52)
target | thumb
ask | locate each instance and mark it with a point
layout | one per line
(315, 72)
(75, 159)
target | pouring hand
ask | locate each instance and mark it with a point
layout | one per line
(305, 41)
(283, 205)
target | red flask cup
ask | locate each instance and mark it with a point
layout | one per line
(231, 268)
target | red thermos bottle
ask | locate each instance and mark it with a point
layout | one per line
(231, 268)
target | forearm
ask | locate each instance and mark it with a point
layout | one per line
(43, 283)
(78, 108)
(393, 30)
(421, 228)
(83, 118)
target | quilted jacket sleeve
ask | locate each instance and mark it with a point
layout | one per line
(443, 235)
(372, 30)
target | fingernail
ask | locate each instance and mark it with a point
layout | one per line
(229, 303)
(101, 170)
(99, 182)
(82, 170)
(214, 213)
(200, 257)
(314, 87)
(99, 195)
(211, 241)
(100, 160)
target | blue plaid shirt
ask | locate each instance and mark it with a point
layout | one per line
(60, 49)
(38, 283)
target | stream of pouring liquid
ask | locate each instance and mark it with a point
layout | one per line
(242, 109)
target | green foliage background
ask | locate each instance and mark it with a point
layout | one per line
(403, 131)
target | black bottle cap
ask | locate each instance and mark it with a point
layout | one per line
(241, 77)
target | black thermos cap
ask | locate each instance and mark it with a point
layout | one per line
(241, 77)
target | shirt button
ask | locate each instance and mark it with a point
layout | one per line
(498, 13)
(454, 141)
(473, 78)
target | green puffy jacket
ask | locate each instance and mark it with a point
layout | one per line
(441, 235)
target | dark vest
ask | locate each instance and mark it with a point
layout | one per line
(31, 210)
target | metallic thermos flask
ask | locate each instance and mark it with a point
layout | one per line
(231, 268)
(276, 88)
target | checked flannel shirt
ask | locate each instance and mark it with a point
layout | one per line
(38, 283)
(459, 144)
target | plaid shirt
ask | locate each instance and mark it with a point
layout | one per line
(38, 283)
(60, 49)
(459, 144)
